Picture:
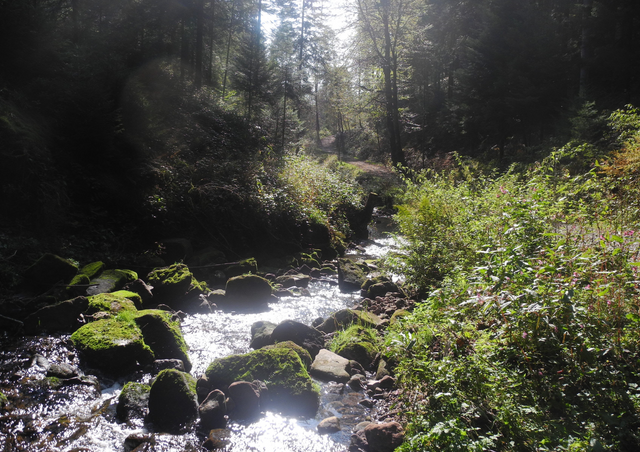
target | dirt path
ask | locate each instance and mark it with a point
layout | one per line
(374, 169)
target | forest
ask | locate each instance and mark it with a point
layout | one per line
(510, 126)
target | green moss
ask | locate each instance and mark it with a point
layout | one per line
(280, 368)
(173, 402)
(171, 275)
(80, 279)
(112, 302)
(162, 348)
(304, 355)
(113, 345)
(4, 401)
(357, 343)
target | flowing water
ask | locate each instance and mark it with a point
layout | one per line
(81, 417)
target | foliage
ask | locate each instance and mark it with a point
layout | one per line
(528, 336)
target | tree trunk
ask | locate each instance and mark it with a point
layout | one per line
(226, 64)
(585, 47)
(211, 35)
(199, 42)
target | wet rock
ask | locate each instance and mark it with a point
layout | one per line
(387, 382)
(382, 370)
(291, 389)
(356, 368)
(359, 347)
(163, 336)
(112, 345)
(350, 276)
(296, 280)
(121, 300)
(63, 316)
(49, 270)
(78, 285)
(248, 289)
(176, 286)
(143, 289)
(213, 410)
(111, 281)
(346, 317)
(218, 439)
(62, 371)
(378, 287)
(357, 382)
(246, 399)
(261, 334)
(173, 403)
(162, 364)
(305, 336)
(329, 366)
(384, 437)
(367, 403)
(304, 355)
(329, 425)
(133, 402)
(139, 442)
(358, 442)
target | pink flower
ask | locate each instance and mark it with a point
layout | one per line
(524, 335)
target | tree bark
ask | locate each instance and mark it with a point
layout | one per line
(199, 42)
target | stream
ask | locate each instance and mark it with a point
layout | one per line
(81, 417)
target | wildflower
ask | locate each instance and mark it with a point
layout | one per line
(628, 233)
(524, 335)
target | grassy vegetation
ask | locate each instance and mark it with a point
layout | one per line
(528, 335)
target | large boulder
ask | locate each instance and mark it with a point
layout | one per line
(245, 397)
(304, 355)
(261, 334)
(212, 411)
(293, 280)
(133, 402)
(112, 345)
(62, 316)
(163, 336)
(176, 287)
(114, 303)
(250, 290)
(350, 276)
(291, 389)
(305, 336)
(173, 404)
(358, 344)
(329, 366)
(378, 287)
(384, 437)
(346, 317)
(110, 281)
(49, 270)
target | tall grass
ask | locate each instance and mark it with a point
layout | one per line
(528, 336)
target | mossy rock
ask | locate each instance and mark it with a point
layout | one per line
(350, 276)
(176, 286)
(115, 302)
(87, 272)
(248, 289)
(173, 402)
(133, 401)
(62, 316)
(358, 344)
(261, 334)
(111, 281)
(346, 317)
(163, 336)
(291, 389)
(297, 280)
(114, 345)
(242, 267)
(49, 270)
(304, 355)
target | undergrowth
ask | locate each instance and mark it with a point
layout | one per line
(527, 337)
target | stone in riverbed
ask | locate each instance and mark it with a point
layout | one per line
(350, 276)
(291, 390)
(163, 335)
(329, 425)
(62, 316)
(346, 317)
(245, 397)
(304, 355)
(384, 437)
(110, 281)
(305, 336)
(248, 290)
(173, 403)
(133, 401)
(261, 334)
(329, 366)
(212, 411)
